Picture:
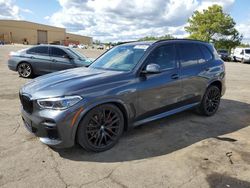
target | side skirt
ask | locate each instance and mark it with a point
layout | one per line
(165, 114)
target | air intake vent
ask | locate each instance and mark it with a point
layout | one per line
(27, 103)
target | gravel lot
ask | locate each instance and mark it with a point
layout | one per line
(185, 150)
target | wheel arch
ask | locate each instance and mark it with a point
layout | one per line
(119, 104)
(216, 83)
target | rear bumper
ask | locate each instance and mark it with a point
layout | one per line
(12, 65)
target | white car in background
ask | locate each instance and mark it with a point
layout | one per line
(100, 47)
(241, 54)
(71, 45)
(82, 46)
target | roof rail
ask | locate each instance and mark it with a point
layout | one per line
(180, 40)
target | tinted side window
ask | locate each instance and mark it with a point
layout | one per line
(189, 54)
(206, 53)
(57, 52)
(163, 56)
(43, 50)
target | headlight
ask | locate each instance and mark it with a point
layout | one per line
(59, 103)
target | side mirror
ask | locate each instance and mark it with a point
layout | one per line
(152, 69)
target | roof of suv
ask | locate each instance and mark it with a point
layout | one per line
(165, 40)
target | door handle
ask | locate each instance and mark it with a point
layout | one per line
(53, 60)
(31, 57)
(175, 76)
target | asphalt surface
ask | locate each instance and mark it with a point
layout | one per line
(184, 150)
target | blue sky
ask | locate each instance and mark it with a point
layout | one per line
(240, 10)
(112, 20)
(40, 9)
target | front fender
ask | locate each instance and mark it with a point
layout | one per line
(87, 108)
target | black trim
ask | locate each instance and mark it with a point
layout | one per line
(169, 107)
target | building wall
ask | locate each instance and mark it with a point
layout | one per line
(79, 39)
(15, 31)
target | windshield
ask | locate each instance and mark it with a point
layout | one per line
(84, 60)
(247, 51)
(120, 58)
(78, 54)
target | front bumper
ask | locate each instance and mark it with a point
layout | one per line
(53, 127)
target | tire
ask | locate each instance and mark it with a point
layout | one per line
(242, 61)
(101, 128)
(25, 70)
(210, 102)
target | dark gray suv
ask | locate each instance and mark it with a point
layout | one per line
(43, 59)
(129, 85)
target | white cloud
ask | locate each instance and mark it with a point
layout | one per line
(244, 29)
(8, 10)
(116, 20)
(226, 4)
(47, 17)
(26, 10)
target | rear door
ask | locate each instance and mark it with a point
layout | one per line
(192, 67)
(39, 59)
(60, 60)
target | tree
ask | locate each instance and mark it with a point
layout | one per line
(215, 26)
(148, 38)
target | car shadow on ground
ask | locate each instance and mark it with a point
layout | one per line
(169, 134)
(216, 180)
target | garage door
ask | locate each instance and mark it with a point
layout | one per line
(42, 37)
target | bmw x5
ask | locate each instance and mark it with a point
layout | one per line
(127, 86)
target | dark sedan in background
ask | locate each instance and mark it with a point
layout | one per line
(224, 54)
(45, 59)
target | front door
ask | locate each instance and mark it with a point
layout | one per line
(60, 60)
(160, 92)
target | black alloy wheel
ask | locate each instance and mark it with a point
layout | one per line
(101, 128)
(25, 70)
(210, 102)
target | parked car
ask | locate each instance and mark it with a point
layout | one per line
(241, 54)
(224, 54)
(72, 45)
(43, 59)
(127, 86)
(82, 46)
(100, 47)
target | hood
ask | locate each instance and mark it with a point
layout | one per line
(67, 82)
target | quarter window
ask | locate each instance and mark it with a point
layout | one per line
(43, 50)
(190, 54)
(206, 53)
(164, 56)
(57, 52)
